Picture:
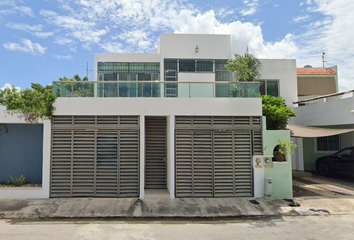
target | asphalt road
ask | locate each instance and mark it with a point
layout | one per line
(310, 227)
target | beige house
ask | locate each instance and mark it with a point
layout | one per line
(312, 82)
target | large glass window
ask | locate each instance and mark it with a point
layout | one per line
(270, 88)
(118, 67)
(222, 75)
(220, 65)
(187, 65)
(331, 143)
(204, 65)
(170, 64)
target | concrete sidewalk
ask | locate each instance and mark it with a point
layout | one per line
(166, 208)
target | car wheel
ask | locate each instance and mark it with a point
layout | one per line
(324, 170)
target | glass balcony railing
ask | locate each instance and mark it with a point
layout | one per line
(157, 89)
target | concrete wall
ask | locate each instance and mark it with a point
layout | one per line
(21, 152)
(159, 107)
(321, 113)
(210, 46)
(43, 192)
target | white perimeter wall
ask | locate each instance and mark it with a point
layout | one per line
(43, 192)
(320, 113)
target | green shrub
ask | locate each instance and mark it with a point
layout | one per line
(18, 181)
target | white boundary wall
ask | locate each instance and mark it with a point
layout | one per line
(43, 192)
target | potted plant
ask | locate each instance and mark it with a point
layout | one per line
(282, 150)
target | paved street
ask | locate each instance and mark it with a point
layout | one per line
(296, 227)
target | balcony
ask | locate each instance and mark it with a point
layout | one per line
(156, 89)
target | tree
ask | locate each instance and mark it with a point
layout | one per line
(276, 112)
(74, 87)
(31, 103)
(244, 67)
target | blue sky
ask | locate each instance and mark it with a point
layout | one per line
(42, 40)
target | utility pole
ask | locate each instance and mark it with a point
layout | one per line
(87, 70)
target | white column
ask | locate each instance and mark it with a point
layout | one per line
(298, 157)
(300, 154)
(142, 156)
(171, 155)
(47, 136)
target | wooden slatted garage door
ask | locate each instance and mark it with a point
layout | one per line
(214, 155)
(95, 156)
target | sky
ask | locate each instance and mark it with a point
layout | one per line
(43, 40)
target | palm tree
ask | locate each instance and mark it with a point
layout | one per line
(244, 67)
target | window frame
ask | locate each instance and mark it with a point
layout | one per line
(329, 151)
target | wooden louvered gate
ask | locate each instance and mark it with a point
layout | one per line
(95, 156)
(214, 155)
(155, 152)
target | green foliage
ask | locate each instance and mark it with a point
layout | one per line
(31, 103)
(276, 112)
(244, 67)
(286, 147)
(18, 181)
(75, 86)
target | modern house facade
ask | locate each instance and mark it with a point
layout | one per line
(173, 120)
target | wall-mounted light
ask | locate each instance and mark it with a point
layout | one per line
(196, 49)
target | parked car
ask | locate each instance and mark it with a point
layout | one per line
(340, 162)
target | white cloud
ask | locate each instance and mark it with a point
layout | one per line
(24, 10)
(63, 41)
(27, 46)
(43, 34)
(12, 8)
(301, 18)
(24, 27)
(82, 30)
(62, 57)
(250, 8)
(223, 13)
(243, 35)
(112, 47)
(8, 85)
(34, 30)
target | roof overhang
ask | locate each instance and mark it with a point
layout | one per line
(298, 131)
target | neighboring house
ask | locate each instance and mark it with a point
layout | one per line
(320, 105)
(312, 82)
(333, 111)
(172, 121)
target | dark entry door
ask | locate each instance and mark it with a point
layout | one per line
(155, 152)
